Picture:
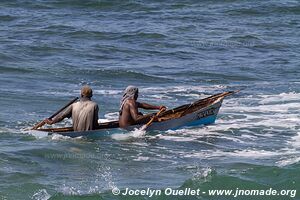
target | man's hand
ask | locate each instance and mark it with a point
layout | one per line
(154, 117)
(162, 108)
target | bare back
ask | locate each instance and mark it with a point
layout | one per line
(129, 113)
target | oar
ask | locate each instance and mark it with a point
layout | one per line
(151, 120)
(42, 123)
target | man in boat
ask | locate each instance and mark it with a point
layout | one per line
(128, 113)
(84, 113)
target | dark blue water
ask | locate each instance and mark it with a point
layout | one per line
(176, 52)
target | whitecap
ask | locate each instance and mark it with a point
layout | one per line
(289, 161)
(107, 92)
(69, 190)
(295, 141)
(136, 133)
(37, 134)
(203, 173)
(141, 158)
(41, 195)
(59, 137)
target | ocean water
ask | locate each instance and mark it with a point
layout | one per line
(176, 52)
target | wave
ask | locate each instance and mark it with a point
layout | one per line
(245, 37)
(112, 36)
(264, 8)
(7, 18)
(41, 194)
(247, 176)
(239, 176)
(246, 12)
(144, 35)
(211, 76)
(129, 75)
(290, 10)
(243, 122)
(101, 5)
(81, 4)
(131, 136)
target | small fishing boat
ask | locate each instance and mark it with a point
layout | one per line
(201, 112)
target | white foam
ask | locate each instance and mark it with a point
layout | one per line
(242, 116)
(69, 190)
(185, 135)
(93, 190)
(182, 90)
(105, 172)
(159, 96)
(112, 116)
(9, 130)
(288, 161)
(293, 155)
(176, 138)
(279, 108)
(254, 153)
(136, 133)
(37, 134)
(281, 98)
(270, 111)
(59, 137)
(203, 173)
(295, 141)
(98, 185)
(107, 92)
(249, 154)
(41, 195)
(141, 158)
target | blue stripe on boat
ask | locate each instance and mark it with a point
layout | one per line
(203, 121)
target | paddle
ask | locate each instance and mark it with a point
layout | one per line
(42, 123)
(151, 120)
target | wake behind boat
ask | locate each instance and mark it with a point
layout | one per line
(201, 112)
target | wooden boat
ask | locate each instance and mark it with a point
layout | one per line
(201, 112)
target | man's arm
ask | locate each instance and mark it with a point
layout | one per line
(66, 113)
(150, 107)
(134, 112)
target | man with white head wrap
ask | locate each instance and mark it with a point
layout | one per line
(128, 112)
(129, 93)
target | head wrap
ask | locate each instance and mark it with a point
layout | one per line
(86, 91)
(129, 93)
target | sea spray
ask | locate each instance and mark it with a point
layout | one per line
(136, 133)
(41, 195)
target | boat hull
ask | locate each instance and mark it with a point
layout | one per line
(203, 116)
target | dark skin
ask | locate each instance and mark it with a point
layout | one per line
(130, 114)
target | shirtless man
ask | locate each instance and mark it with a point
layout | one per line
(128, 113)
(84, 113)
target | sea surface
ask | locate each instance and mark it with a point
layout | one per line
(176, 52)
